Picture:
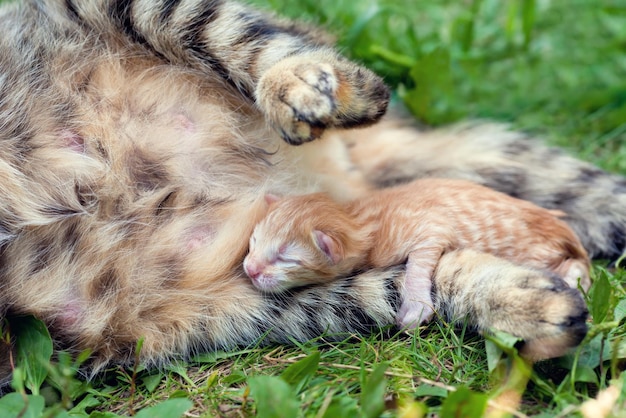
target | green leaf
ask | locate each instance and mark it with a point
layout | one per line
(179, 393)
(343, 407)
(235, 377)
(170, 408)
(585, 374)
(373, 392)
(215, 356)
(274, 398)
(494, 354)
(88, 401)
(431, 99)
(393, 57)
(181, 370)
(496, 344)
(464, 403)
(620, 311)
(299, 373)
(17, 380)
(600, 296)
(152, 381)
(34, 349)
(14, 405)
(98, 414)
(428, 390)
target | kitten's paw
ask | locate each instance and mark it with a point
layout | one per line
(301, 96)
(413, 314)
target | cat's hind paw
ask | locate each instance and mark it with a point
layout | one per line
(303, 95)
(413, 314)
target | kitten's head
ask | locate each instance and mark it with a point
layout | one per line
(293, 246)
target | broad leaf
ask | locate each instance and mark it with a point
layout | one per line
(15, 405)
(299, 373)
(428, 390)
(274, 398)
(171, 408)
(600, 297)
(373, 392)
(464, 403)
(34, 349)
(343, 407)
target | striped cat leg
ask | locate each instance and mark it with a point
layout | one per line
(298, 81)
(492, 293)
(394, 152)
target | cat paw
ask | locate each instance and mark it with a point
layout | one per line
(413, 314)
(555, 319)
(491, 293)
(540, 308)
(303, 95)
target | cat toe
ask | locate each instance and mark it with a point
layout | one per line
(303, 96)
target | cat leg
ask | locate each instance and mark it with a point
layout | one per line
(304, 94)
(395, 151)
(492, 293)
(299, 82)
(415, 290)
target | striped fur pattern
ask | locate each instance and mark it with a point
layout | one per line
(137, 138)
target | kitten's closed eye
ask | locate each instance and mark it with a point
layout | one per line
(289, 259)
(287, 254)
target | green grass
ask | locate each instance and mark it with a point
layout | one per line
(554, 68)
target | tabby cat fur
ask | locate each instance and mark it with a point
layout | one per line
(137, 138)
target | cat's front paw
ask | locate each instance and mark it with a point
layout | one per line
(303, 95)
(412, 314)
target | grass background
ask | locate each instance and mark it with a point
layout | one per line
(552, 67)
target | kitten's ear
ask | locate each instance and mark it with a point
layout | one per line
(329, 246)
(271, 198)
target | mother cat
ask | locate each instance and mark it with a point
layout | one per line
(136, 137)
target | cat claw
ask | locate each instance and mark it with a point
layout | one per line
(303, 96)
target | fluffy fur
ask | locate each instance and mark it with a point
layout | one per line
(311, 239)
(137, 138)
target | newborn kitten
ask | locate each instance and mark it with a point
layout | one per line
(312, 239)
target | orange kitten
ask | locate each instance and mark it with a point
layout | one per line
(311, 239)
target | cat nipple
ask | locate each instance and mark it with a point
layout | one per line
(184, 123)
(199, 237)
(70, 315)
(72, 140)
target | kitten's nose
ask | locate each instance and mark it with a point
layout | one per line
(252, 268)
